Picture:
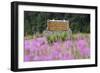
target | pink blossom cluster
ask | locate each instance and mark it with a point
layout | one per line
(39, 50)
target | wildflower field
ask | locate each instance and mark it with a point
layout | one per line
(43, 42)
(40, 49)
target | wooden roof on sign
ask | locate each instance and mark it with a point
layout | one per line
(57, 25)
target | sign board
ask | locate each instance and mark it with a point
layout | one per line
(58, 25)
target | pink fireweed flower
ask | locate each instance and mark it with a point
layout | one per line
(45, 58)
(44, 49)
(44, 46)
(85, 51)
(38, 42)
(41, 58)
(48, 57)
(41, 40)
(56, 54)
(26, 58)
(33, 48)
(56, 46)
(27, 44)
(67, 56)
(68, 44)
(35, 43)
(36, 58)
(81, 43)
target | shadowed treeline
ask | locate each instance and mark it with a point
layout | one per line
(37, 21)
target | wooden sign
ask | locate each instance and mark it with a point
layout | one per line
(58, 25)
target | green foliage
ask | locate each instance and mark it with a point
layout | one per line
(57, 37)
(52, 38)
(63, 36)
(37, 21)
